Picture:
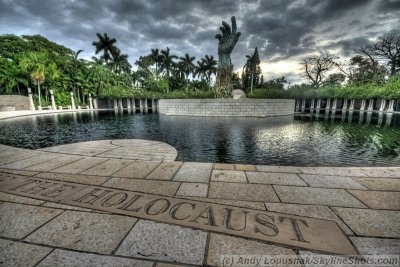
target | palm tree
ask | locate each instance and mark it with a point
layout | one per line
(157, 58)
(186, 65)
(167, 62)
(201, 70)
(210, 66)
(105, 44)
(119, 62)
(251, 65)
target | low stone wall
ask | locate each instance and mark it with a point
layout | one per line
(227, 107)
(13, 102)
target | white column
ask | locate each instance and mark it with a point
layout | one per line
(351, 104)
(371, 105)
(146, 108)
(133, 104)
(141, 105)
(318, 103)
(344, 107)
(53, 103)
(60, 108)
(383, 105)
(79, 107)
(115, 104)
(153, 106)
(363, 104)
(334, 104)
(72, 101)
(328, 104)
(390, 108)
(303, 105)
(90, 101)
(120, 106)
(312, 104)
(128, 103)
(95, 106)
(297, 104)
(31, 104)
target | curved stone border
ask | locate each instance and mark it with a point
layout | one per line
(247, 107)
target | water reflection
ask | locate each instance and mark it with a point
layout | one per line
(309, 139)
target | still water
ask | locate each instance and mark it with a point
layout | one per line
(318, 140)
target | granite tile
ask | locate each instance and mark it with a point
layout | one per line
(228, 176)
(317, 196)
(71, 258)
(24, 163)
(385, 184)
(275, 178)
(75, 178)
(79, 166)
(367, 222)
(165, 242)
(165, 171)
(378, 199)
(383, 173)
(84, 231)
(286, 169)
(242, 167)
(319, 212)
(223, 245)
(166, 188)
(221, 166)
(19, 172)
(331, 181)
(194, 172)
(63, 206)
(18, 220)
(21, 254)
(17, 157)
(19, 199)
(107, 168)
(376, 246)
(137, 169)
(236, 191)
(335, 171)
(192, 190)
(54, 163)
(237, 203)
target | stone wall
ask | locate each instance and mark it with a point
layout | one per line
(227, 107)
(14, 102)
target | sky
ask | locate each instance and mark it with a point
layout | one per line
(284, 31)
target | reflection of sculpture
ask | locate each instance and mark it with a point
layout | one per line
(226, 43)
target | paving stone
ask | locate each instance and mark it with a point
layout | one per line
(79, 166)
(17, 157)
(331, 181)
(376, 246)
(194, 172)
(378, 199)
(107, 168)
(19, 172)
(228, 176)
(317, 196)
(54, 163)
(380, 184)
(366, 222)
(84, 231)
(236, 203)
(193, 190)
(76, 178)
(63, 206)
(137, 169)
(71, 258)
(286, 169)
(250, 192)
(241, 167)
(223, 245)
(319, 212)
(383, 172)
(20, 254)
(17, 220)
(274, 178)
(21, 164)
(161, 241)
(166, 188)
(358, 172)
(165, 171)
(19, 199)
(220, 166)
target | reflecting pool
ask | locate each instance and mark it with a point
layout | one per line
(366, 139)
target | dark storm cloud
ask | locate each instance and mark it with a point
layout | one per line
(281, 29)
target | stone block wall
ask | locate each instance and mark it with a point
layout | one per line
(227, 107)
(14, 102)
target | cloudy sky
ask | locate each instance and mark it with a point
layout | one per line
(283, 30)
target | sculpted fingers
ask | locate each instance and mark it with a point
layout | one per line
(234, 26)
(227, 27)
(223, 30)
(218, 36)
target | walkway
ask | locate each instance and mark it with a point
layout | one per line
(99, 203)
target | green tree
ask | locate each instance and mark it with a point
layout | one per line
(167, 62)
(186, 65)
(252, 69)
(105, 44)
